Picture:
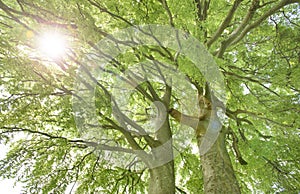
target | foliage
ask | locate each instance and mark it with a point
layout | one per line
(255, 44)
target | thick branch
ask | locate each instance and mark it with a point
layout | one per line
(255, 24)
(254, 6)
(202, 8)
(224, 24)
(244, 27)
(184, 119)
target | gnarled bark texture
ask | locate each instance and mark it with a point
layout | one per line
(218, 173)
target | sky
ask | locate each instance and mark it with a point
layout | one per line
(52, 45)
(7, 185)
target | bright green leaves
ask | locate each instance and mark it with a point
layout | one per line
(102, 102)
(190, 179)
(262, 80)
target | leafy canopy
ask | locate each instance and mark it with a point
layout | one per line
(255, 44)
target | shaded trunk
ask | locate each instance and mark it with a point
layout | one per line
(162, 179)
(218, 173)
(161, 168)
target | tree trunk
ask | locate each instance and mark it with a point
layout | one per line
(162, 179)
(162, 176)
(218, 173)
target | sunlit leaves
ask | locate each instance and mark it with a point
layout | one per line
(261, 74)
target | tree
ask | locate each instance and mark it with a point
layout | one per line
(121, 109)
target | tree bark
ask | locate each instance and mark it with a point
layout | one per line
(162, 179)
(162, 176)
(218, 173)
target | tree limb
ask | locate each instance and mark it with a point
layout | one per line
(236, 148)
(78, 142)
(244, 27)
(254, 6)
(224, 24)
(202, 8)
(166, 7)
(255, 24)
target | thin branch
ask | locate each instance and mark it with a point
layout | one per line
(21, 6)
(102, 9)
(236, 148)
(286, 17)
(6, 9)
(251, 80)
(78, 142)
(275, 165)
(37, 18)
(6, 25)
(258, 115)
(180, 190)
(166, 7)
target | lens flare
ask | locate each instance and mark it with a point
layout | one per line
(52, 44)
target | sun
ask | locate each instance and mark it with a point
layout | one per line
(52, 44)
